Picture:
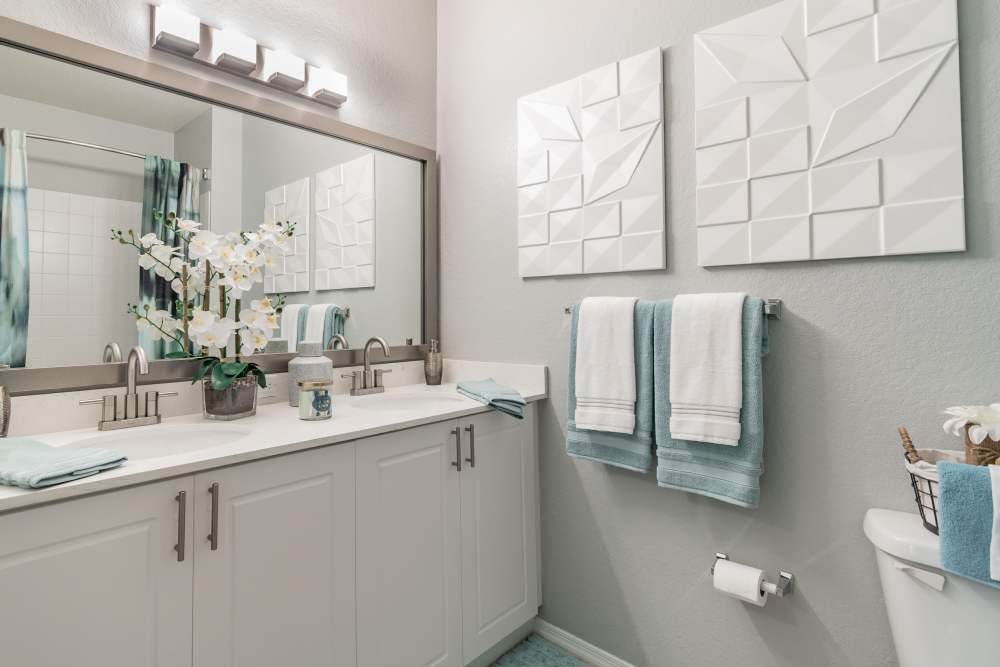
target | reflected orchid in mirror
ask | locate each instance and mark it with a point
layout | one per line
(210, 274)
(982, 421)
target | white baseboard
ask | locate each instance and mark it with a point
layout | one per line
(580, 649)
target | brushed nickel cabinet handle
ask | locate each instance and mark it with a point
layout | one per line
(457, 463)
(213, 536)
(180, 547)
(471, 430)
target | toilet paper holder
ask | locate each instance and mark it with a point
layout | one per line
(778, 589)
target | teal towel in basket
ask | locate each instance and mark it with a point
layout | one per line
(965, 507)
(30, 464)
(500, 398)
(633, 451)
(729, 474)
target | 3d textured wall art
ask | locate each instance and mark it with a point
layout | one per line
(827, 129)
(290, 203)
(590, 182)
(345, 225)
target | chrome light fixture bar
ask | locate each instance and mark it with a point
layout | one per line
(182, 34)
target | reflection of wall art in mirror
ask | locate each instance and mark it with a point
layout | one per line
(590, 182)
(345, 223)
(290, 203)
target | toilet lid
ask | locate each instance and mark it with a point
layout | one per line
(902, 534)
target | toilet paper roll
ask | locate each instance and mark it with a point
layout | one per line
(739, 581)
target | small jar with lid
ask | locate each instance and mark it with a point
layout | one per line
(315, 399)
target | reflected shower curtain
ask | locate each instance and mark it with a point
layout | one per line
(169, 187)
(13, 248)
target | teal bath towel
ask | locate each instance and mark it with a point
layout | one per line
(500, 398)
(333, 323)
(635, 451)
(966, 520)
(30, 464)
(729, 474)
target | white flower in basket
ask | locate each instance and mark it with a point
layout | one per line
(981, 421)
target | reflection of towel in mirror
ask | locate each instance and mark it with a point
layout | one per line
(314, 323)
(290, 324)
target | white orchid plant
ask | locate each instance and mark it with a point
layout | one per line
(217, 332)
(981, 421)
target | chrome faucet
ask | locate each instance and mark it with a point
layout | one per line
(132, 414)
(370, 381)
(112, 354)
(338, 338)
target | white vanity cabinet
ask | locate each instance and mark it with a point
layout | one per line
(97, 581)
(274, 562)
(447, 540)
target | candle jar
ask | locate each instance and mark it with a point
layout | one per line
(315, 399)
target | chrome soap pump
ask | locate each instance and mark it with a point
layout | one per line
(432, 364)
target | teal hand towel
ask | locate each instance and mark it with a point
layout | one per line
(30, 464)
(966, 520)
(729, 474)
(333, 322)
(634, 451)
(497, 396)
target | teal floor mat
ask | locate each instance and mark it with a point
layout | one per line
(536, 652)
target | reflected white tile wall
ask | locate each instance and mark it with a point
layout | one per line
(81, 281)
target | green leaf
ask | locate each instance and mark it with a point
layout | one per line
(261, 378)
(219, 378)
(179, 354)
(234, 369)
(206, 365)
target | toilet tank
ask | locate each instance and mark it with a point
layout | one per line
(937, 618)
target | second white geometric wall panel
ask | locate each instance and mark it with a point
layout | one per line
(289, 203)
(345, 225)
(590, 172)
(829, 129)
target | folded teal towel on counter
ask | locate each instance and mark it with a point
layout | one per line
(630, 451)
(965, 508)
(497, 396)
(30, 464)
(729, 474)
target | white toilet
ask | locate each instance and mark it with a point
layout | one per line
(937, 618)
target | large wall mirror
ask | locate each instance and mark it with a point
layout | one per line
(103, 152)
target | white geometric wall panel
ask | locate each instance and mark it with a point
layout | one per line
(345, 225)
(828, 129)
(590, 182)
(290, 203)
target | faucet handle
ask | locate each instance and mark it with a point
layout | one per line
(353, 377)
(153, 401)
(379, 372)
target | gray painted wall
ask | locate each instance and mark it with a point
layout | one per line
(385, 47)
(865, 345)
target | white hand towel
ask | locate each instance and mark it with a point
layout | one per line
(995, 538)
(290, 324)
(314, 322)
(605, 365)
(706, 368)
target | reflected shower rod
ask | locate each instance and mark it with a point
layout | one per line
(106, 149)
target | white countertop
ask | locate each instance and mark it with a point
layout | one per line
(276, 429)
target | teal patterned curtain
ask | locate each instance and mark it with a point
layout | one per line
(169, 187)
(13, 248)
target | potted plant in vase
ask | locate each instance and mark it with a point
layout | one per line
(979, 425)
(210, 274)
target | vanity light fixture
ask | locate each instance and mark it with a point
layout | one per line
(176, 31)
(232, 51)
(282, 69)
(326, 85)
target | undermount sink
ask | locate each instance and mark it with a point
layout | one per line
(151, 442)
(423, 400)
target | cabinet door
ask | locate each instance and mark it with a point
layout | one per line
(409, 588)
(279, 586)
(499, 529)
(97, 580)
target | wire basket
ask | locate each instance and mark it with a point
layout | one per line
(921, 464)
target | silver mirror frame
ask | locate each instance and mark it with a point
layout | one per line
(25, 381)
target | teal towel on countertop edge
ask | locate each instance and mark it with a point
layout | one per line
(632, 452)
(965, 505)
(31, 464)
(497, 396)
(729, 474)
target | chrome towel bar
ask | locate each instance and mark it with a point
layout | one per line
(772, 308)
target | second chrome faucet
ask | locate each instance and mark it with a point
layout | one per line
(368, 381)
